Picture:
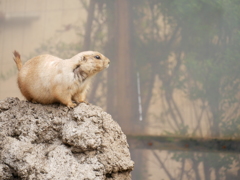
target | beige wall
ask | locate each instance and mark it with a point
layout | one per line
(26, 24)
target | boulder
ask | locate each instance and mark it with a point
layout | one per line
(53, 142)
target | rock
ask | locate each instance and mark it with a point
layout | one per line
(52, 142)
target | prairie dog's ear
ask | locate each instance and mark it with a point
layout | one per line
(84, 58)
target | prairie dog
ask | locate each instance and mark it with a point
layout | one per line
(47, 79)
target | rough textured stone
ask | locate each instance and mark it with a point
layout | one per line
(52, 142)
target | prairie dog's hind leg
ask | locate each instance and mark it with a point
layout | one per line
(64, 98)
(80, 97)
(67, 101)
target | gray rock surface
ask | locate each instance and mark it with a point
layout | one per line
(52, 142)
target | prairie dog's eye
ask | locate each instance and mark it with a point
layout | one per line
(97, 57)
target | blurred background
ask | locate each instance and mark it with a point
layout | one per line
(174, 79)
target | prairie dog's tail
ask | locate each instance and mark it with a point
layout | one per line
(17, 59)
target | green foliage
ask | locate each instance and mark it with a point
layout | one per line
(11, 72)
(60, 49)
(231, 127)
(207, 33)
(212, 160)
(182, 131)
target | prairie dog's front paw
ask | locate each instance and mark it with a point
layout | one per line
(71, 105)
(84, 102)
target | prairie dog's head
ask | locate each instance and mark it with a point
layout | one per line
(90, 62)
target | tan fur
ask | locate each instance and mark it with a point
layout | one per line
(17, 60)
(48, 79)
